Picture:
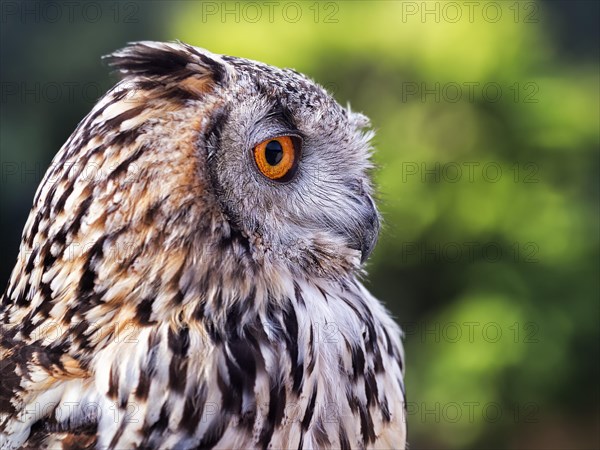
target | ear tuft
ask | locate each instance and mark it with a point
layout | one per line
(174, 61)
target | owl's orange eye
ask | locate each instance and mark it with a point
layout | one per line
(277, 158)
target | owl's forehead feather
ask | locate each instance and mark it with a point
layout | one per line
(286, 83)
(302, 97)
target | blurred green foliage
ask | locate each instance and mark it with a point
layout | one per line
(487, 146)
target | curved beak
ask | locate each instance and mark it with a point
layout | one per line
(364, 236)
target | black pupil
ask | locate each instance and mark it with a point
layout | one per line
(273, 153)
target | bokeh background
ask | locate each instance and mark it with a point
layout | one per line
(487, 119)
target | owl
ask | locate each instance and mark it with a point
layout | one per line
(189, 275)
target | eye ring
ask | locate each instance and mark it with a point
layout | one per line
(277, 158)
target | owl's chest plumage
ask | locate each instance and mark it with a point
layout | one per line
(316, 369)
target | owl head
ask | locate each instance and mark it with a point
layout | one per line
(198, 172)
(279, 163)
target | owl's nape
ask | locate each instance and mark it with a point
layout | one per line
(201, 288)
